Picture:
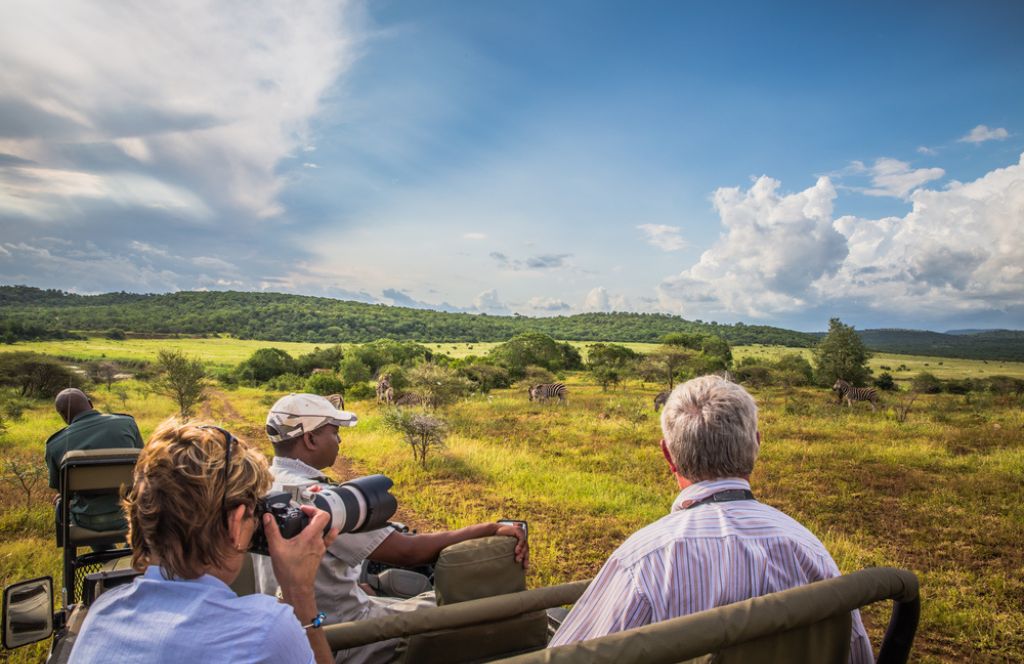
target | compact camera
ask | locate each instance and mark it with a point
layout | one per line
(356, 506)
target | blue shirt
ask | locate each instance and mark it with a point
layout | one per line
(154, 621)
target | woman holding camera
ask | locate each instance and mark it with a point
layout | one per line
(191, 515)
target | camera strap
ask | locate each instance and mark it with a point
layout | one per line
(723, 497)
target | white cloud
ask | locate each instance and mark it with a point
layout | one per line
(474, 236)
(982, 133)
(666, 238)
(892, 177)
(488, 301)
(599, 299)
(925, 150)
(774, 247)
(211, 96)
(960, 249)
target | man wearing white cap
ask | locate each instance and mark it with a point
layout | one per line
(304, 431)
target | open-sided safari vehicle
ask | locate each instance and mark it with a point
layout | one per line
(485, 612)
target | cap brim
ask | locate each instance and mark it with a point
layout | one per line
(343, 418)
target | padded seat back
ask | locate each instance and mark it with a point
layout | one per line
(470, 570)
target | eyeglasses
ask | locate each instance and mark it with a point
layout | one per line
(228, 439)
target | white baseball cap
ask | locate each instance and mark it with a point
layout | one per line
(297, 414)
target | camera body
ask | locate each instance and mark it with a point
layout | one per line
(356, 506)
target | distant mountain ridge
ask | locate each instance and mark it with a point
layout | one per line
(33, 313)
(284, 317)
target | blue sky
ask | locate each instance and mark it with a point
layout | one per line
(721, 161)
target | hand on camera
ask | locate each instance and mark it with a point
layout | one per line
(522, 551)
(295, 560)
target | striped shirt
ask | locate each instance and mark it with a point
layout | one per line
(696, 559)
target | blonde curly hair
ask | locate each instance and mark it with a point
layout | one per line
(178, 507)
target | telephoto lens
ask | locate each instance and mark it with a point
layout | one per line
(356, 506)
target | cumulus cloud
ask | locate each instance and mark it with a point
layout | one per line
(666, 238)
(982, 133)
(599, 299)
(207, 97)
(927, 151)
(774, 247)
(959, 249)
(489, 302)
(892, 177)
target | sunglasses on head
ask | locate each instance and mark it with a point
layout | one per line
(228, 439)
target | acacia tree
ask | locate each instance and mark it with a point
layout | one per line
(419, 430)
(181, 378)
(841, 354)
(437, 385)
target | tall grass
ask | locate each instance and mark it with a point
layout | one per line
(939, 494)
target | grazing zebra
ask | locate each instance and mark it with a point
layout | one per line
(850, 393)
(660, 399)
(545, 391)
(408, 399)
(385, 393)
(337, 401)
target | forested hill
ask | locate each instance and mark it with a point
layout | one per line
(32, 313)
(975, 345)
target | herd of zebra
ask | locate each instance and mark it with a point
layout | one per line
(544, 391)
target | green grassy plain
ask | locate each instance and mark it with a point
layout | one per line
(939, 494)
(225, 351)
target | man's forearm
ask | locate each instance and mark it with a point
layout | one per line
(399, 549)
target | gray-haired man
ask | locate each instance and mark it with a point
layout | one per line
(718, 545)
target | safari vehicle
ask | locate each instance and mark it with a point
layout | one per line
(485, 612)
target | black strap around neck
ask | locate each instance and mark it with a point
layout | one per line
(726, 496)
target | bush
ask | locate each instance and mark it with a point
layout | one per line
(36, 376)
(534, 375)
(439, 386)
(754, 375)
(360, 391)
(962, 386)
(115, 334)
(319, 358)
(533, 348)
(266, 363)
(485, 377)
(324, 384)
(926, 383)
(422, 432)
(353, 371)
(841, 354)
(288, 382)
(397, 375)
(885, 382)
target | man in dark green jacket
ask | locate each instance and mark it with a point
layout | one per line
(89, 429)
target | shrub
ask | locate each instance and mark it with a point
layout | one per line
(324, 384)
(353, 371)
(288, 382)
(360, 391)
(841, 354)
(36, 376)
(485, 377)
(264, 364)
(421, 431)
(754, 375)
(926, 383)
(534, 375)
(319, 358)
(885, 382)
(439, 386)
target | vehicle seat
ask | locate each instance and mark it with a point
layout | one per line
(471, 570)
(91, 472)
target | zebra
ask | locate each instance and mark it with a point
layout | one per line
(385, 393)
(660, 399)
(337, 400)
(545, 391)
(850, 393)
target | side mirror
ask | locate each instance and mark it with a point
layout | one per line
(27, 612)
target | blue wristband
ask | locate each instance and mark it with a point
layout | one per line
(318, 620)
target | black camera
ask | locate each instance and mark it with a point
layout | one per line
(357, 506)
